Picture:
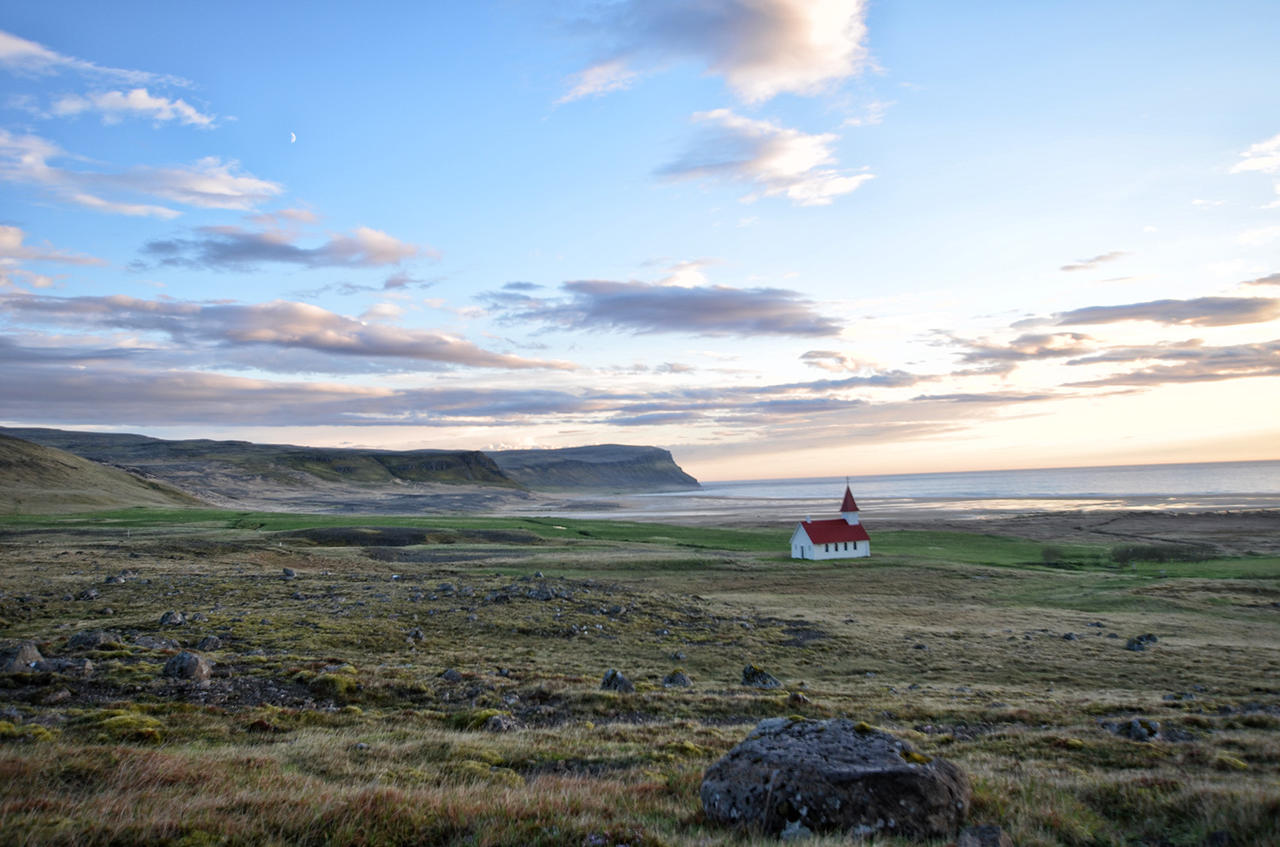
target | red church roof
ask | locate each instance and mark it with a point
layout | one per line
(836, 529)
(848, 505)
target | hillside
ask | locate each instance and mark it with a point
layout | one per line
(612, 467)
(35, 479)
(240, 474)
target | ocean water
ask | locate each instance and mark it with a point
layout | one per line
(1208, 485)
(1126, 481)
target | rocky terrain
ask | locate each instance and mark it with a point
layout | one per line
(252, 678)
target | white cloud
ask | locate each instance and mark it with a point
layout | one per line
(1259, 236)
(12, 248)
(776, 160)
(136, 210)
(208, 183)
(27, 57)
(762, 48)
(600, 79)
(137, 102)
(1263, 156)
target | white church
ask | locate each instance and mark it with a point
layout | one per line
(839, 538)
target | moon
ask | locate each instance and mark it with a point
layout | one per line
(292, 137)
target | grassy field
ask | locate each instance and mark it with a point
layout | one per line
(327, 720)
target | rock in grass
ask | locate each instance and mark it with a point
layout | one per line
(172, 618)
(1141, 729)
(834, 776)
(209, 642)
(615, 681)
(93, 639)
(188, 665)
(451, 675)
(987, 835)
(758, 678)
(676, 679)
(20, 659)
(1139, 642)
(156, 642)
(79, 667)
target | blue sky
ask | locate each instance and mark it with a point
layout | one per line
(780, 238)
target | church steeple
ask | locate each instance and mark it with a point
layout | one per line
(848, 507)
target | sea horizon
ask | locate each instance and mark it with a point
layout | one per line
(1183, 485)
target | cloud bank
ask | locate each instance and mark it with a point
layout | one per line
(641, 307)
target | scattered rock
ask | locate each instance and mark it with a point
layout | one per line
(451, 675)
(288, 573)
(71, 667)
(20, 659)
(416, 634)
(172, 618)
(757, 678)
(615, 681)
(798, 698)
(1138, 643)
(501, 722)
(676, 679)
(834, 776)
(188, 665)
(93, 639)
(987, 835)
(156, 642)
(1137, 729)
(209, 642)
(88, 594)
(114, 580)
(1070, 636)
(62, 695)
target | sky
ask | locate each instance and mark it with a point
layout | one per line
(778, 238)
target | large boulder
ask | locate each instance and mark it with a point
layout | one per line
(615, 681)
(93, 639)
(20, 658)
(188, 665)
(834, 776)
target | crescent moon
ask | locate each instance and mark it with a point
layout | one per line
(292, 137)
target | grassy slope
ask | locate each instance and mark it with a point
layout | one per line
(950, 639)
(40, 480)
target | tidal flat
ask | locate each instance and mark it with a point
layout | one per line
(380, 680)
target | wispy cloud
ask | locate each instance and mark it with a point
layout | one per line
(774, 160)
(209, 183)
(1027, 347)
(21, 56)
(1187, 361)
(760, 47)
(13, 248)
(1090, 264)
(1263, 157)
(237, 249)
(642, 307)
(1198, 311)
(281, 324)
(1270, 279)
(114, 106)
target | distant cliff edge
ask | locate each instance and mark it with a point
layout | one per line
(611, 467)
(241, 474)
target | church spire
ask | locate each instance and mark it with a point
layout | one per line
(849, 507)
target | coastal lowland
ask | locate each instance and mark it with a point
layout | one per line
(247, 656)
